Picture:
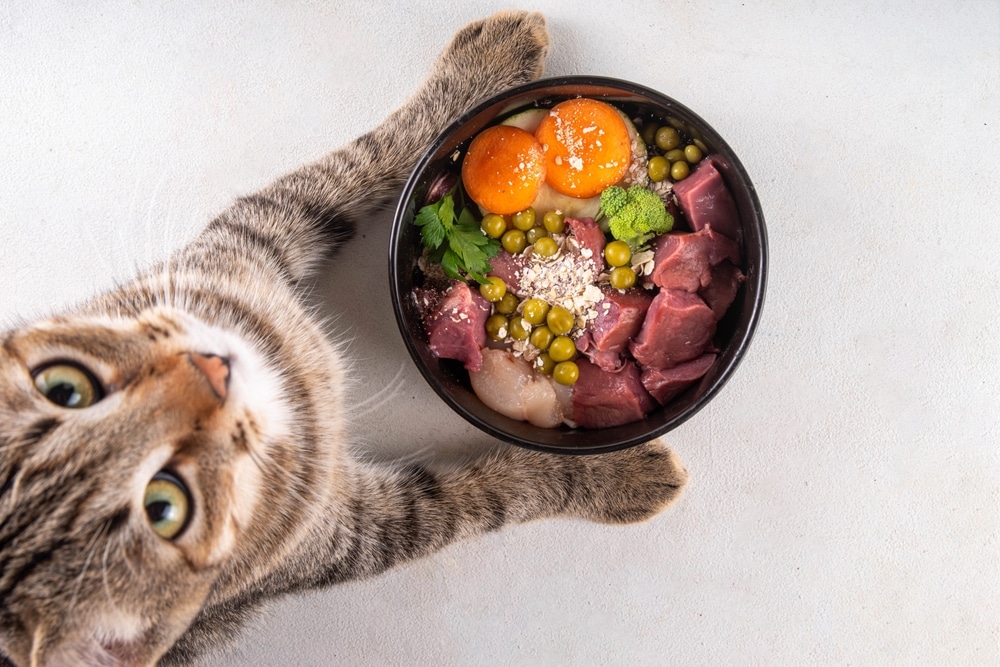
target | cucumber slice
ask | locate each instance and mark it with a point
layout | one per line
(633, 133)
(638, 170)
(527, 120)
(550, 200)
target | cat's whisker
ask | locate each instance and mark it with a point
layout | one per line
(412, 456)
(167, 289)
(255, 456)
(99, 251)
(148, 219)
(91, 548)
(386, 394)
(125, 557)
(16, 444)
(104, 576)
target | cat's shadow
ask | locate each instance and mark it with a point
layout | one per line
(394, 412)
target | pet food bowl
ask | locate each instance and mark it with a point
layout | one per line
(448, 377)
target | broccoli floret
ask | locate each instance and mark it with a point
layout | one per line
(635, 215)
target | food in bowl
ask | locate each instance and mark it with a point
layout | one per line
(577, 262)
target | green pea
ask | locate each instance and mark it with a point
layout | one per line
(541, 337)
(559, 320)
(679, 170)
(494, 289)
(649, 132)
(562, 348)
(534, 311)
(554, 222)
(518, 328)
(513, 241)
(523, 220)
(544, 364)
(534, 234)
(622, 277)
(506, 305)
(667, 138)
(497, 327)
(677, 124)
(494, 225)
(546, 246)
(566, 373)
(617, 253)
(658, 168)
(692, 154)
(676, 155)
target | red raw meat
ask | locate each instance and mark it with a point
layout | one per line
(590, 237)
(619, 319)
(508, 267)
(720, 293)
(684, 261)
(602, 399)
(456, 329)
(664, 384)
(611, 361)
(678, 327)
(705, 200)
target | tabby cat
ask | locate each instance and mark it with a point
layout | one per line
(172, 452)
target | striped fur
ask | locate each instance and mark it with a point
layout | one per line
(279, 505)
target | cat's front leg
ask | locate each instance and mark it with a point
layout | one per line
(399, 514)
(621, 487)
(297, 220)
(392, 514)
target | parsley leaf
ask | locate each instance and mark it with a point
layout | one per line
(432, 231)
(460, 246)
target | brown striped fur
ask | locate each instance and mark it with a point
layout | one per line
(279, 505)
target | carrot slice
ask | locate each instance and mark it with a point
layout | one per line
(587, 147)
(503, 169)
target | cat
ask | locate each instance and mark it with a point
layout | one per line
(172, 452)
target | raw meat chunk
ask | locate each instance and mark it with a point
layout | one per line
(591, 240)
(705, 200)
(619, 318)
(720, 293)
(684, 261)
(664, 384)
(602, 399)
(678, 327)
(509, 267)
(609, 360)
(456, 329)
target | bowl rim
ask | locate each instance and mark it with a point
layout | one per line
(741, 339)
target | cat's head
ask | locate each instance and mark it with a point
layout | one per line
(128, 472)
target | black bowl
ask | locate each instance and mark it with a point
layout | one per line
(449, 379)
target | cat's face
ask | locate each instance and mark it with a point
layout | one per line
(127, 475)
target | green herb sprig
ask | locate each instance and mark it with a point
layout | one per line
(458, 245)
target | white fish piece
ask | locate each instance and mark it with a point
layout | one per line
(508, 384)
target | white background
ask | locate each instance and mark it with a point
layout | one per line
(844, 503)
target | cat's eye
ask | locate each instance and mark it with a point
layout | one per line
(68, 385)
(168, 504)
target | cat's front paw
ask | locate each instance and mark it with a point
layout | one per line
(495, 53)
(629, 485)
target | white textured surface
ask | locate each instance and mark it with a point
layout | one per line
(845, 500)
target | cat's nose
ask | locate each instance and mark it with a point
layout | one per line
(216, 371)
